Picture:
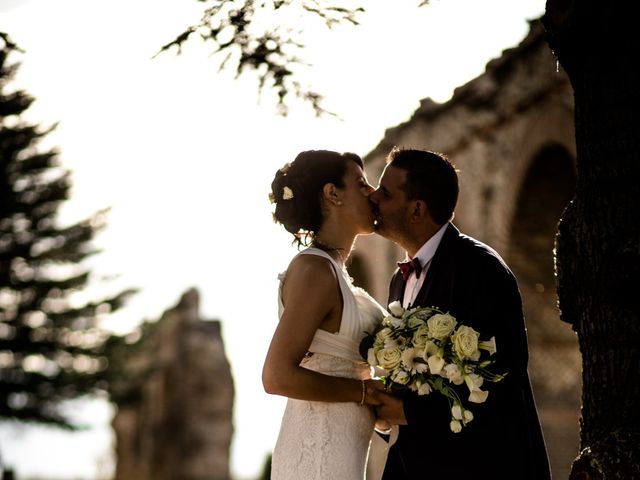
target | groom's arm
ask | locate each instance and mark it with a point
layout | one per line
(492, 306)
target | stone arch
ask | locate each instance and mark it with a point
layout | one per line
(545, 127)
(547, 187)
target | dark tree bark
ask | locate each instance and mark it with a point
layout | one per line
(598, 242)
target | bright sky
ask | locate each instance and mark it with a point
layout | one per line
(184, 156)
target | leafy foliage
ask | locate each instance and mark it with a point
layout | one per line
(258, 35)
(51, 346)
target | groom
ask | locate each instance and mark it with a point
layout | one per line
(414, 205)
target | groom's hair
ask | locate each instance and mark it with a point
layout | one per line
(431, 177)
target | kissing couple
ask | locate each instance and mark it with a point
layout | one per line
(336, 412)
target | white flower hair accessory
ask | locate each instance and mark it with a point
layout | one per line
(287, 193)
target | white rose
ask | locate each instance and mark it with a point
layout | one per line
(489, 346)
(413, 322)
(456, 426)
(383, 335)
(421, 336)
(389, 358)
(385, 339)
(465, 342)
(441, 325)
(395, 308)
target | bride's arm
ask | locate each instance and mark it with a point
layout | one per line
(312, 299)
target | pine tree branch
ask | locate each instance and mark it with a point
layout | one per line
(50, 348)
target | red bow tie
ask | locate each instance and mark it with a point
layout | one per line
(410, 266)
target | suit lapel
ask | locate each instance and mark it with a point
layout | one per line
(436, 287)
(396, 287)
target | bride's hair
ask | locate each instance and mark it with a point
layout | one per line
(297, 190)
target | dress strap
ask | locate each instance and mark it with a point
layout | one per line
(349, 305)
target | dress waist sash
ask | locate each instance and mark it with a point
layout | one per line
(336, 345)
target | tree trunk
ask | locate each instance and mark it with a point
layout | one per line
(598, 242)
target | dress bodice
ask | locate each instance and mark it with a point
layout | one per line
(322, 440)
(360, 314)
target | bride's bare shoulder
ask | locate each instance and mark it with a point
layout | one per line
(311, 267)
(310, 275)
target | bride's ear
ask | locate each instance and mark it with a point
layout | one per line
(330, 194)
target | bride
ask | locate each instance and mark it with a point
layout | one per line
(313, 359)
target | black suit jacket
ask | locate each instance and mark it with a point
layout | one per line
(504, 440)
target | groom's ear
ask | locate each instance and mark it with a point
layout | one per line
(420, 211)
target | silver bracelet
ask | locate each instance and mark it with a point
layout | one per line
(364, 391)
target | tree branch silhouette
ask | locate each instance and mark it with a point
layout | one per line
(258, 36)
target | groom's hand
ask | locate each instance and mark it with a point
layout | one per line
(390, 409)
(372, 387)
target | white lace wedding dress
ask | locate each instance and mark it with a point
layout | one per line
(325, 440)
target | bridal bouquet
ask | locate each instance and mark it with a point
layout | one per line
(424, 349)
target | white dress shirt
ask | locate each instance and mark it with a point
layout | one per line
(425, 254)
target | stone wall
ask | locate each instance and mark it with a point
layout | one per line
(174, 400)
(510, 133)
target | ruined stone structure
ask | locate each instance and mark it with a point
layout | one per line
(510, 133)
(174, 399)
